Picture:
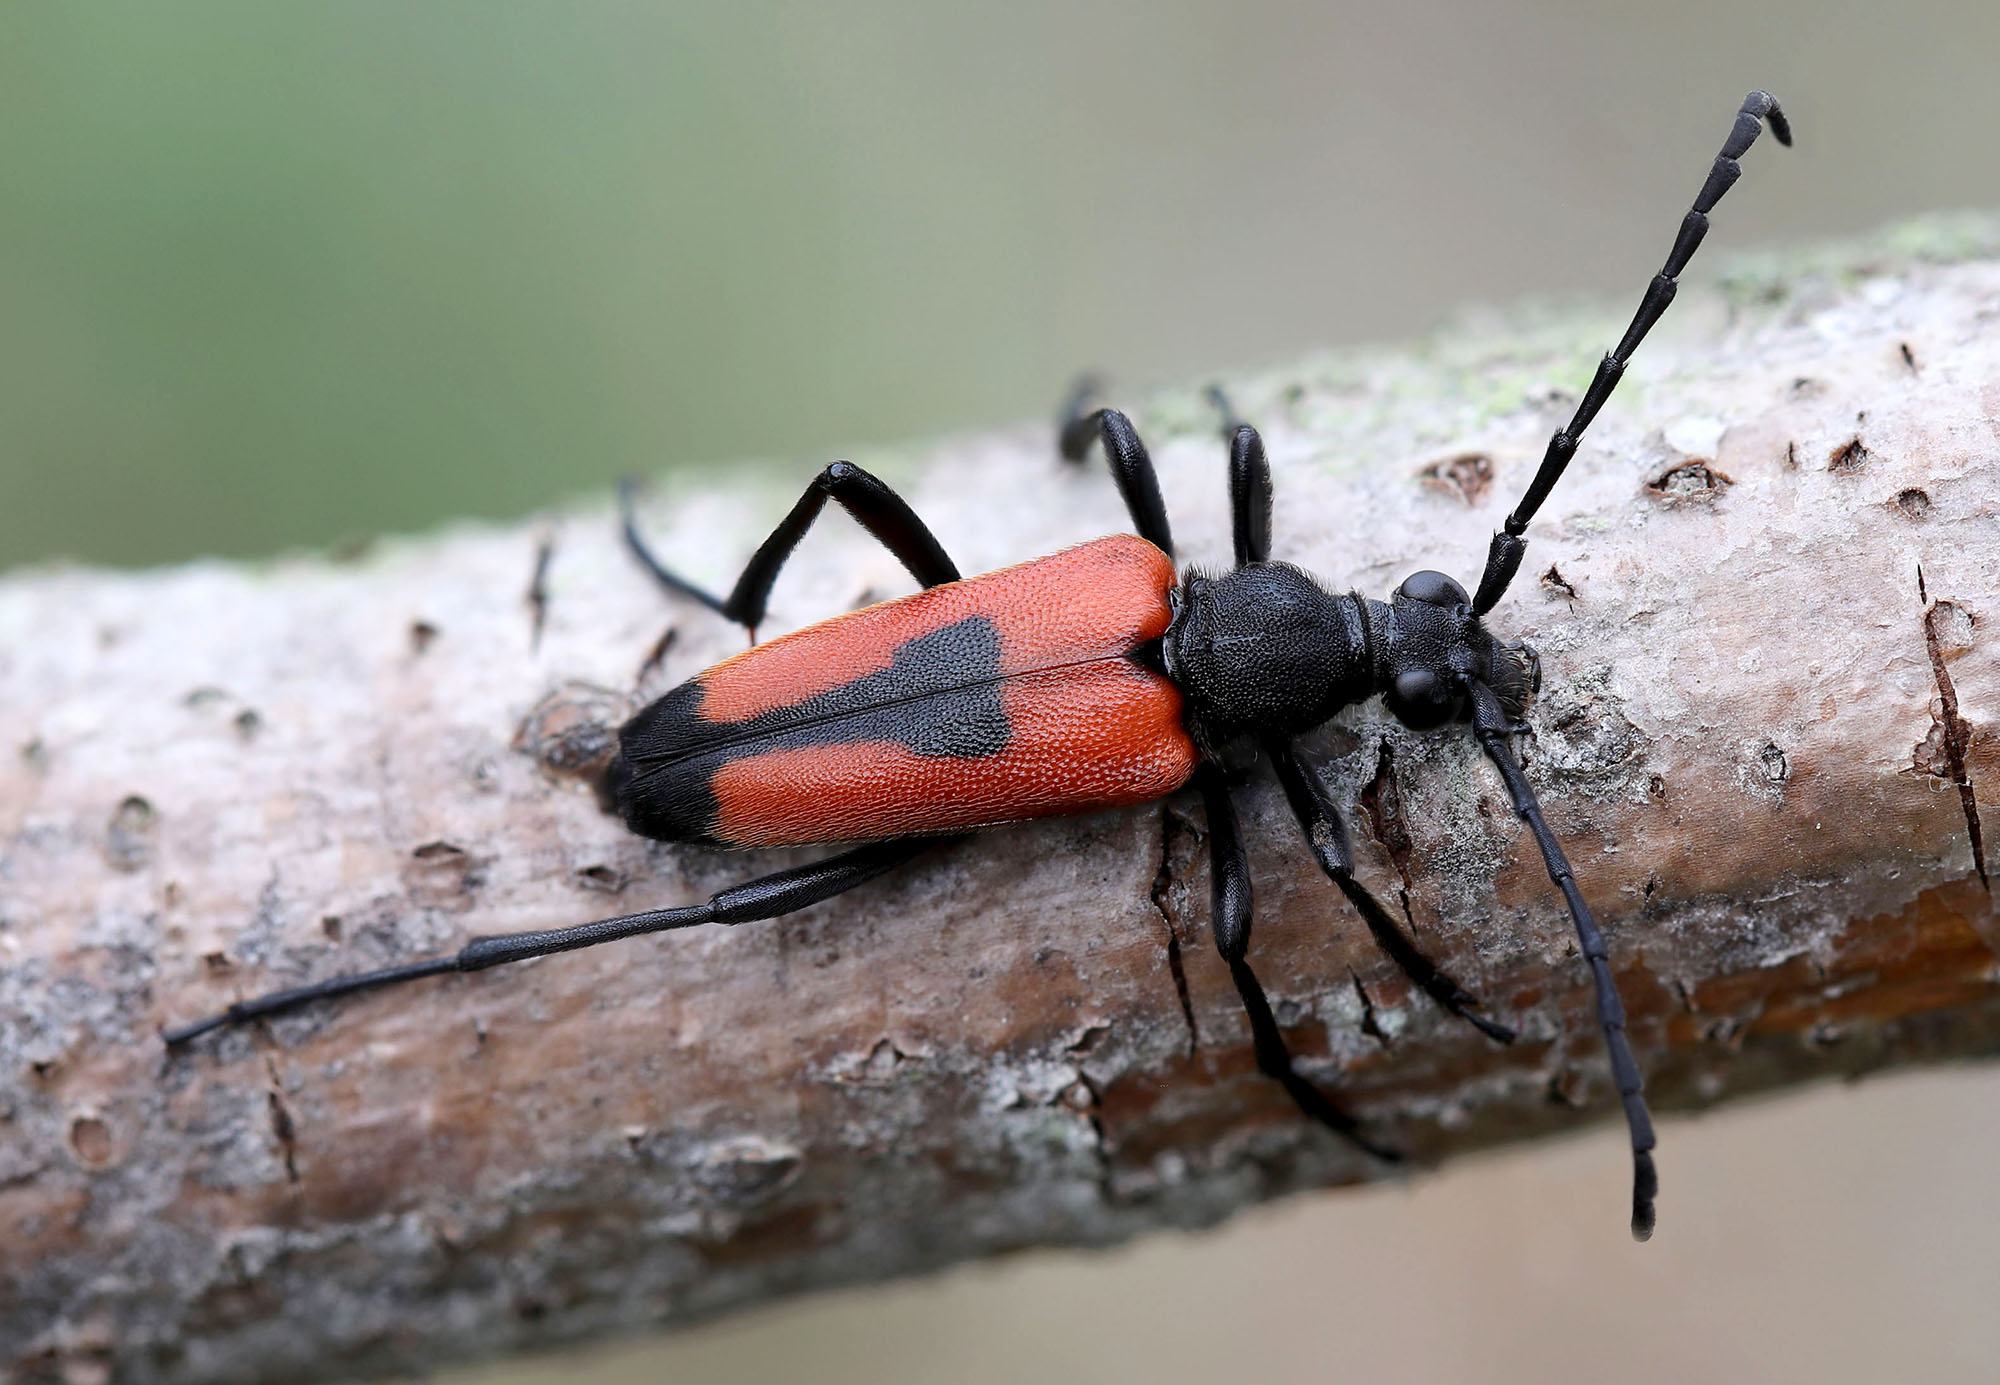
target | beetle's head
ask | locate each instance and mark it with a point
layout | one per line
(1436, 645)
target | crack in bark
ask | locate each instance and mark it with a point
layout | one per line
(1369, 1024)
(1681, 993)
(1083, 1098)
(655, 657)
(1851, 455)
(282, 1125)
(1162, 882)
(1561, 1089)
(1956, 735)
(1383, 803)
(538, 590)
(1468, 476)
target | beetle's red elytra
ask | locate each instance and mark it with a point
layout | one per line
(1008, 696)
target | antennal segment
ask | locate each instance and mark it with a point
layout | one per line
(1503, 558)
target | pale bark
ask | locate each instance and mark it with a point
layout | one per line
(223, 778)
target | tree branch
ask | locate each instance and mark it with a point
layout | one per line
(1763, 600)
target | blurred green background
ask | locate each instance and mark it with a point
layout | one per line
(276, 275)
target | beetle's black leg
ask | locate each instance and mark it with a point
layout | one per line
(1491, 723)
(1326, 834)
(1503, 559)
(1229, 881)
(879, 510)
(1249, 483)
(1249, 496)
(1131, 467)
(629, 523)
(1076, 421)
(1219, 397)
(765, 898)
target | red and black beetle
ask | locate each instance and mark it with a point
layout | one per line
(1091, 679)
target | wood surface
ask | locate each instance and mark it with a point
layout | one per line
(1764, 599)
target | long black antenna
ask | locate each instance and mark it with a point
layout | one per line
(1491, 723)
(757, 899)
(1503, 558)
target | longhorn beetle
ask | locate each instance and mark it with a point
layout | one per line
(1091, 679)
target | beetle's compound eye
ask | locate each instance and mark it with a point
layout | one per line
(1433, 589)
(1419, 686)
(1421, 699)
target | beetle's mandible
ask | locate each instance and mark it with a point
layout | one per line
(1090, 679)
